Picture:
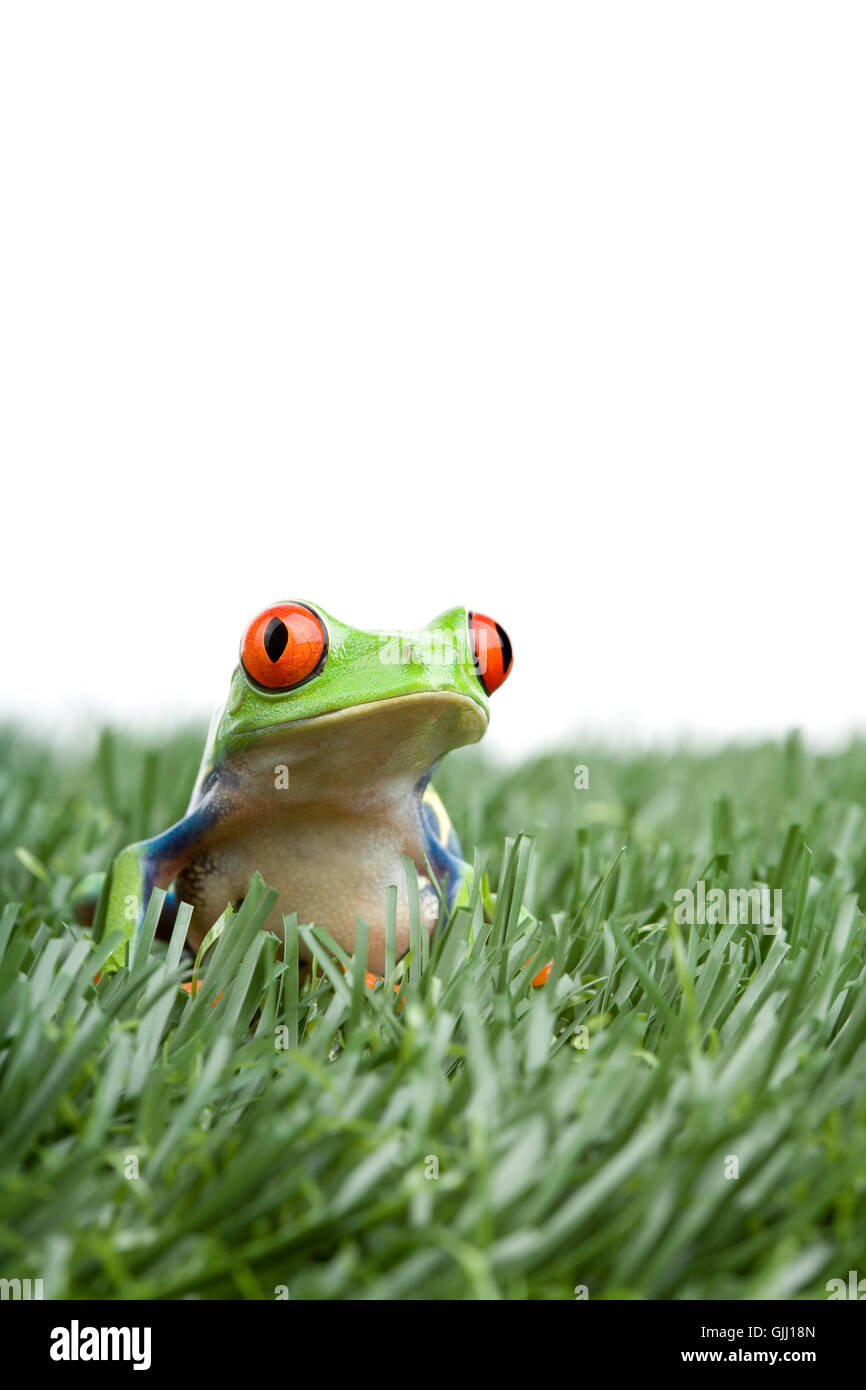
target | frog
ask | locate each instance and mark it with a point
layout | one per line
(317, 776)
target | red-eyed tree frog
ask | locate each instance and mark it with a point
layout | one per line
(316, 774)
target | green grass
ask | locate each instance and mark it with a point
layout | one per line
(581, 1129)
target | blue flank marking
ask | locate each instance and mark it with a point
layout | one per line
(169, 845)
(445, 860)
(178, 838)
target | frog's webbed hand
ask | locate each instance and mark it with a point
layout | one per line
(136, 871)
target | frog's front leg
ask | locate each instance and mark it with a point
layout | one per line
(443, 849)
(140, 868)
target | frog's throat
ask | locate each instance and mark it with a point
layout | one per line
(414, 730)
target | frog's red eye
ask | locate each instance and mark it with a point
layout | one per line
(284, 646)
(491, 648)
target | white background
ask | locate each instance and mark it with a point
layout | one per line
(558, 311)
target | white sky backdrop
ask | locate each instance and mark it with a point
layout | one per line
(555, 310)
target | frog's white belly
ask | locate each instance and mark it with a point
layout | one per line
(329, 834)
(330, 868)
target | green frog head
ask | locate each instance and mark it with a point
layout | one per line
(301, 667)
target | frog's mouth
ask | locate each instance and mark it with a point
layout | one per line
(399, 736)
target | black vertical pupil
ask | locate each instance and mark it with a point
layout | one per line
(505, 642)
(276, 638)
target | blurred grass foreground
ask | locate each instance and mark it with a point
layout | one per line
(678, 1112)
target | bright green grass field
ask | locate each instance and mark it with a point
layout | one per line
(584, 1133)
